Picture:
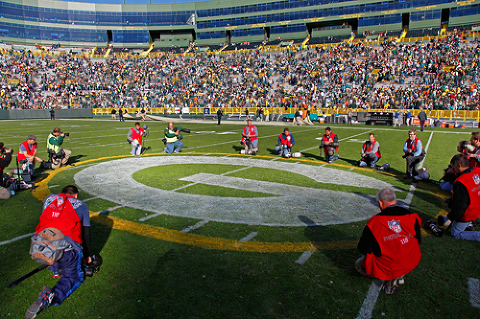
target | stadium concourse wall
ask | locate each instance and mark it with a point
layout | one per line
(21, 114)
(199, 112)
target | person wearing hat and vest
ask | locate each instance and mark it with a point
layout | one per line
(57, 155)
(27, 152)
(173, 143)
(66, 217)
(134, 137)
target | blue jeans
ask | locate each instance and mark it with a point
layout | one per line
(282, 151)
(72, 274)
(459, 232)
(177, 145)
(371, 160)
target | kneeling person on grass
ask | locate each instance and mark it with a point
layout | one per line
(390, 243)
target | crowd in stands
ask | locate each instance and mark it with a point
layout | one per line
(439, 74)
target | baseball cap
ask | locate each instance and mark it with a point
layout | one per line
(31, 137)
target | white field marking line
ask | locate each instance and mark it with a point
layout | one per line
(91, 198)
(53, 186)
(474, 290)
(108, 210)
(16, 238)
(197, 225)
(249, 237)
(426, 149)
(304, 257)
(369, 302)
(260, 137)
(223, 174)
(346, 138)
(413, 187)
(150, 216)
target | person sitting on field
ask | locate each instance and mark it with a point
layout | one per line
(390, 243)
(329, 145)
(285, 143)
(370, 152)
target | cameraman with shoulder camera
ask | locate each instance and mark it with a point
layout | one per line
(57, 155)
(172, 137)
(414, 153)
(134, 137)
(5, 159)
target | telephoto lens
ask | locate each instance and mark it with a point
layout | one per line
(430, 225)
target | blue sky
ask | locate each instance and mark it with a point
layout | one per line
(137, 1)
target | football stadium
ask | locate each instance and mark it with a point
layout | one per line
(236, 160)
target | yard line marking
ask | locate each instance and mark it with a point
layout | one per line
(150, 216)
(474, 289)
(304, 257)
(197, 225)
(249, 236)
(91, 198)
(53, 186)
(346, 138)
(420, 165)
(369, 302)
(16, 238)
(108, 210)
(408, 200)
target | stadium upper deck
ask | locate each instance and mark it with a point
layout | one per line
(214, 22)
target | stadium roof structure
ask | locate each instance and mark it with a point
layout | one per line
(81, 24)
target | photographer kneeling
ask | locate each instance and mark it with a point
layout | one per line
(56, 154)
(5, 159)
(172, 139)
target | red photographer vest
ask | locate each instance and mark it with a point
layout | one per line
(328, 139)
(400, 248)
(251, 131)
(21, 156)
(368, 148)
(412, 144)
(60, 214)
(472, 182)
(137, 136)
(285, 140)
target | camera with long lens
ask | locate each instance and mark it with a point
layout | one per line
(179, 128)
(65, 134)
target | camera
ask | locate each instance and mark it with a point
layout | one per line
(66, 134)
(179, 128)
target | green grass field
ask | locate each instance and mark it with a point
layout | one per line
(283, 260)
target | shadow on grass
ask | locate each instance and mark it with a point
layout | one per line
(101, 226)
(332, 242)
